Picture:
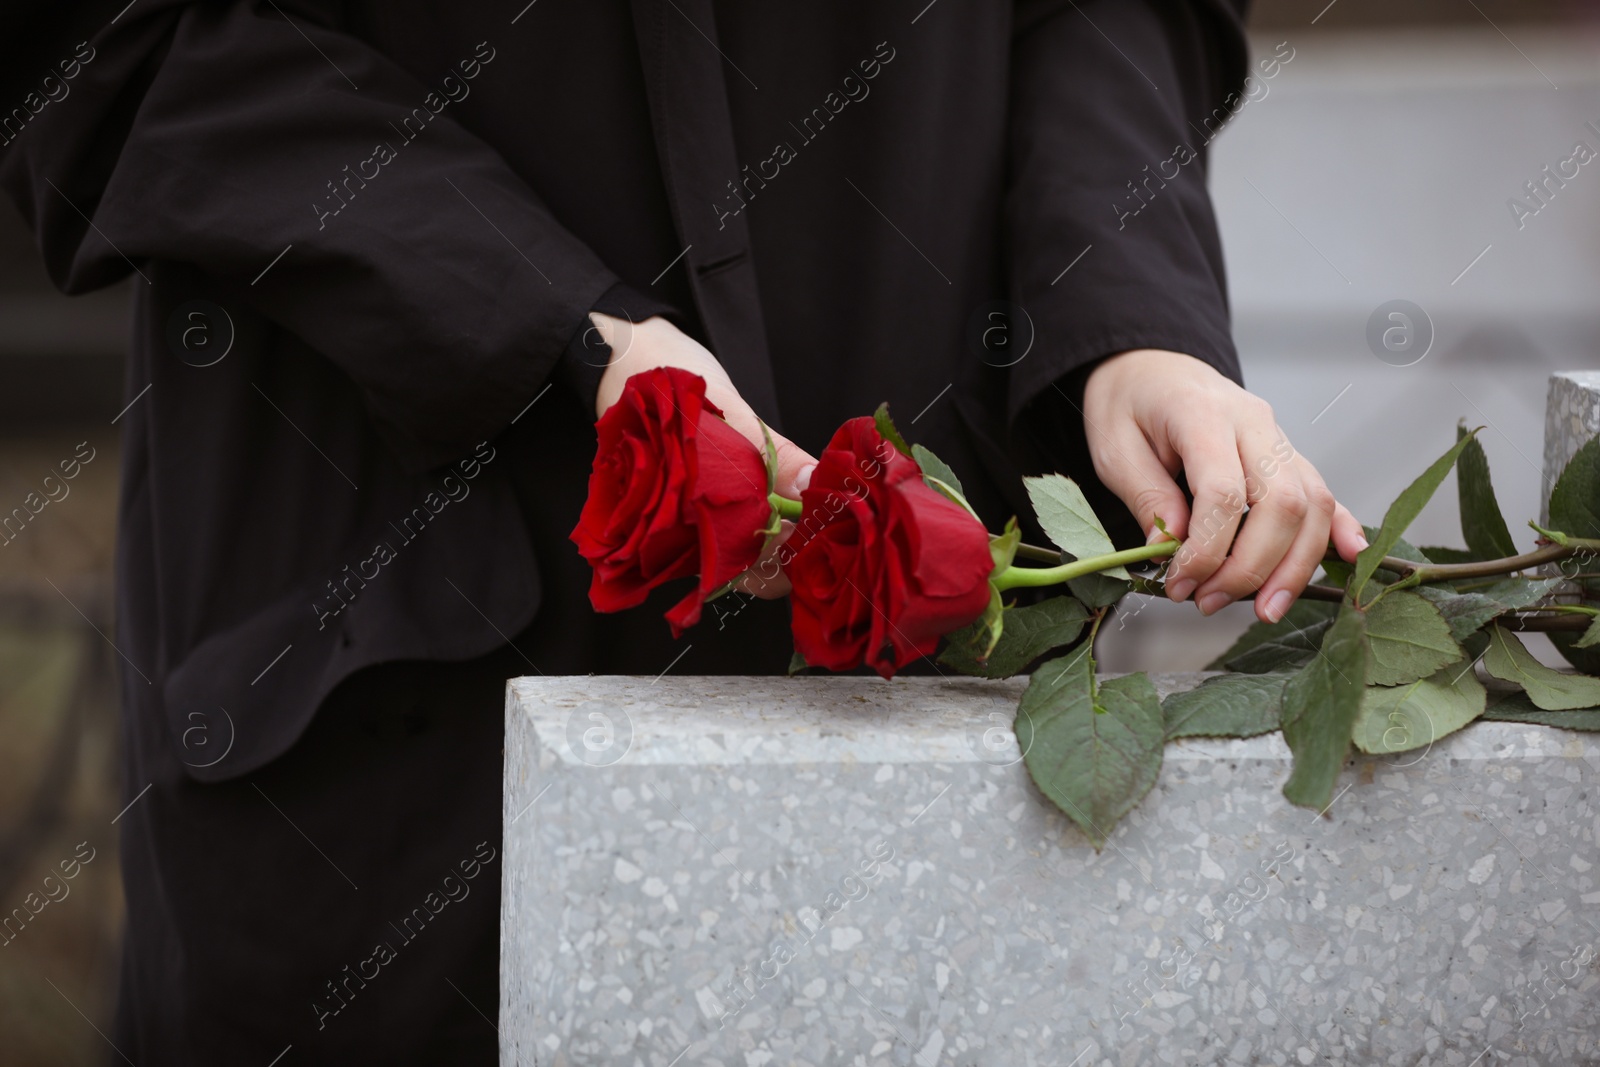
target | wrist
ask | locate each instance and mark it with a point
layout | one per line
(1143, 371)
(1149, 360)
(619, 334)
(625, 341)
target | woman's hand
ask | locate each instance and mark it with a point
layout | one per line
(655, 342)
(1150, 414)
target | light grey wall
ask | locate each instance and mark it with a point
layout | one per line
(1377, 167)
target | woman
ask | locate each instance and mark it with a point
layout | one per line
(388, 259)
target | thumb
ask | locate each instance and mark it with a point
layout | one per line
(795, 465)
(1135, 474)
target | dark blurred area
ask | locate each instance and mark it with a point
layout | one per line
(60, 388)
(1380, 13)
(61, 392)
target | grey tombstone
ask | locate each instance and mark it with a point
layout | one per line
(749, 871)
(1572, 417)
(844, 871)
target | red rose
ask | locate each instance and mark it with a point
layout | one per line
(675, 492)
(882, 566)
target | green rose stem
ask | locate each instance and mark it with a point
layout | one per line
(1546, 618)
(1414, 573)
(1038, 555)
(1537, 618)
(1015, 577)
(1444, 572)
(786, 508)
(1410, 571)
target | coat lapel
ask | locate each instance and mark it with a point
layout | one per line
(683, 71)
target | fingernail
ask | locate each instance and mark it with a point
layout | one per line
(1361, 539)
(1154, 535)
(1213, 602)
(802, 481)
(1180, 589)
(1278, 604)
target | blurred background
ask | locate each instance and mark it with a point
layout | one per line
(1375, 165)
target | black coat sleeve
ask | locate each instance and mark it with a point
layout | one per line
(584, 360)
(338, 192)
(1113, 102)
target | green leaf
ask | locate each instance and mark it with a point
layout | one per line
(1481, 522)
(1553, 536)
(1028, 633)
(1467, 612)
(886, 427)
(934, 467)
(1586, 660)
(1096, 590)
(797, 663)
(1514, 706)
(1473, 646)
(1408, 638)
(1283, 645)
(1336, 572)
(1229, 705)
(1510, 661)
(1407, 506)
(1320, 707)
(1401, 717)
(990, 625)
(1068, 520)
(1094, 750)
(1591, 636)
(1575, 499)
(1003, 546)
(1401, 549)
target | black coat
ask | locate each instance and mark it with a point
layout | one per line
(365, 236)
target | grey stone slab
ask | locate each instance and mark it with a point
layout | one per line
(1572, 417)
(668, 842)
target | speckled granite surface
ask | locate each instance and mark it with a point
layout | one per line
(1572, 417)
(810, 871)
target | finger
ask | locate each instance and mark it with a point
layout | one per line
(1279, 507)
(1216, 478)
(1283, 541)
(1129, 468)
(795, 465)
(1348, 536)
(1289, 579)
